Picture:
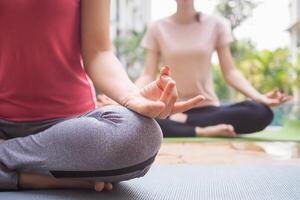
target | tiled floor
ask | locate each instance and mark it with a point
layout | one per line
(231, 153)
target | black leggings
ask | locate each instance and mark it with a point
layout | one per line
(245, 117)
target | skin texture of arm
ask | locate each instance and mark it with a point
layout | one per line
(99, 60)
(233, 76)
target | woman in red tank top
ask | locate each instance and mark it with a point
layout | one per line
(49, 50)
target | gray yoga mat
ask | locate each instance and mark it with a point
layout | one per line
(191, 182)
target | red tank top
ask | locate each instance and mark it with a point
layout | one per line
(41, 71)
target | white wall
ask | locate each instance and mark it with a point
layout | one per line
(294, 10)
(133, 15)
(295, 27)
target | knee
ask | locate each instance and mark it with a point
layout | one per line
(129, 133)
(139, 140)
(119, 138)
(142, 144)
(150, 135)
(262, 116)
(144, 134)
(139, 137)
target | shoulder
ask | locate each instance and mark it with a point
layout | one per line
(215, 19)
(157, 26)
(220, 21)
(159, 22)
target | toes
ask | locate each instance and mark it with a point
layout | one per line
(231, 127)
(231, 130)
(224, 130)
(108, 186)
(228, 130)
(99, 186)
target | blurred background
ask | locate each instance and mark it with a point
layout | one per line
(266, 43)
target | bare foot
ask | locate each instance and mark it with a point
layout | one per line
(33, 181)
(99, 186)
(222, 130)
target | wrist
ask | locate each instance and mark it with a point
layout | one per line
(258, 97)
(124, 98)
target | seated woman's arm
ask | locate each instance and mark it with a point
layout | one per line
(100, 63)
(155, 100)
(235, 79)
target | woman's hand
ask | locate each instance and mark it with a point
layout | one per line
(274, 98)
(158, 99)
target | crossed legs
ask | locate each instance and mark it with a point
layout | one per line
(110, 144)
(240, 118)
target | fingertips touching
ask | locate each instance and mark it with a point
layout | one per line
(163, 81)
(165, 70)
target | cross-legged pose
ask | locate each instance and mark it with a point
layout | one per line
(186, 41)
(52, 135)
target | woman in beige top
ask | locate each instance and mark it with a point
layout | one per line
(185, 41)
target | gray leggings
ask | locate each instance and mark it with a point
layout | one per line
(110, 144)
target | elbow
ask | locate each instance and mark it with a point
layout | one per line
(234, 78)
(230, 76)
(227, 77)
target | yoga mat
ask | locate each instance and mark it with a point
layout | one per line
(290, 132)
(191, 182)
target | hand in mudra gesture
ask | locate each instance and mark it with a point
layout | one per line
(157, 99)
(274, 98)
